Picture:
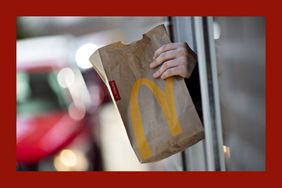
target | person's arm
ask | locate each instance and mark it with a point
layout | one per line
(174, 59)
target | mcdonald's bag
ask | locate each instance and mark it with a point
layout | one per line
(159, 116)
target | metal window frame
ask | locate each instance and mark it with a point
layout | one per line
(198, 33)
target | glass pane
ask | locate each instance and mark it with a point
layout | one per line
(240, 52)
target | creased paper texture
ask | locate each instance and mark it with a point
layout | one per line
(159, 115)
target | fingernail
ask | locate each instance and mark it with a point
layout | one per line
(152, 65)
(155, 75)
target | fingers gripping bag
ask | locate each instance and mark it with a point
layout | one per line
(159, 116)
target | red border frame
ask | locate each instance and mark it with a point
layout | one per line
(9, 174)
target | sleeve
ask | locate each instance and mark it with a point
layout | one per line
(193, 86)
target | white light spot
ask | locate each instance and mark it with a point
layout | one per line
(66, 77)
(76, 112)
(70, 160)
(68, 157)
(216, 31)
(83, 54)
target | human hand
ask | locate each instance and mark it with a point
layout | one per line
(174, 59)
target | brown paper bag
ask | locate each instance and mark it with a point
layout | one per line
(159, 115)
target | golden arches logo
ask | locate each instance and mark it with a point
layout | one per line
(166, 101)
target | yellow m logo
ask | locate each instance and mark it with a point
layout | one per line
(166, 102)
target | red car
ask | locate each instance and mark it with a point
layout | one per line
(44, 122)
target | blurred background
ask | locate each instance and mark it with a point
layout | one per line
(65, 117)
